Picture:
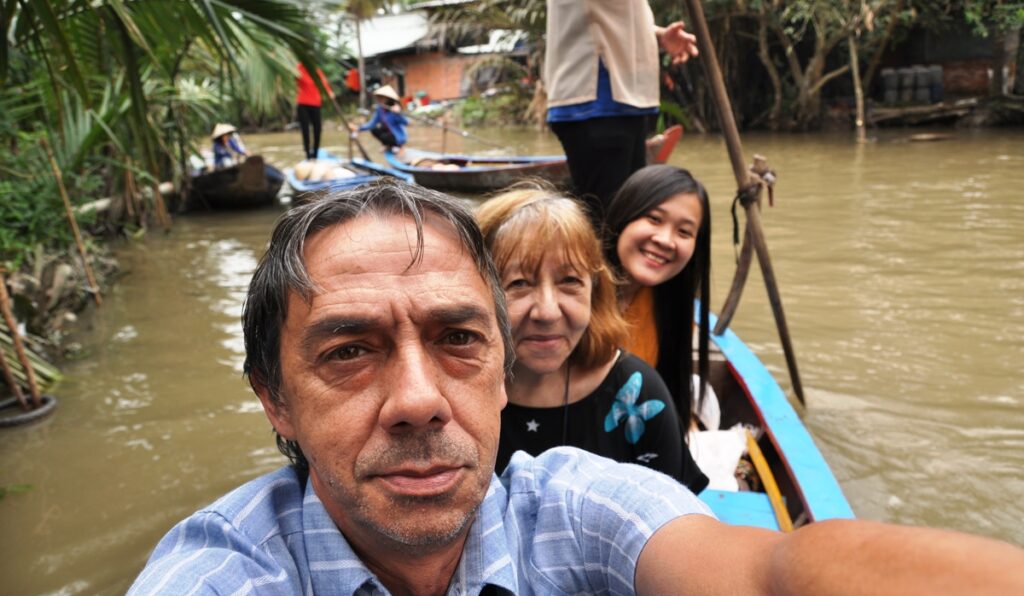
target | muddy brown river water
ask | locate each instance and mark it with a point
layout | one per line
(902, 272)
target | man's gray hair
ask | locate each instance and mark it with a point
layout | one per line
(282, 271)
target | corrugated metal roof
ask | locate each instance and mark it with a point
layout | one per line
(390, 33)
(500, 41)
(439, 4)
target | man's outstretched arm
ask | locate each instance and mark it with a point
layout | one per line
(698, 555)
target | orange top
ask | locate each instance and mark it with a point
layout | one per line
(643, 337)
(352, 79)
(308, 94)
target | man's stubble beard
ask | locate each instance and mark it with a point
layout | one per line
(413, 522)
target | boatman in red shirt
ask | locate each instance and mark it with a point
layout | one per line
(308, 112)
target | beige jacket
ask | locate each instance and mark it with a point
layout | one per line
(620, 32)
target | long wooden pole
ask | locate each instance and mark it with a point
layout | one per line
(739, 279)
(344, 121)
(93, 286)
(9, 375)
(19, 350)
(755, 233)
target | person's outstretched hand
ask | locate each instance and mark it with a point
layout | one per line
(677, 42)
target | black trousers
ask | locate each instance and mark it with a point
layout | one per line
(602, 153)
(383, 134)
(309, 118)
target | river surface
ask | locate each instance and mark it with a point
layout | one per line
(902, 273)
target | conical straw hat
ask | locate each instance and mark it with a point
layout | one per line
(388, 92)
(222, 129)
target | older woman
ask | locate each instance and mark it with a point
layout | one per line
(571, 383)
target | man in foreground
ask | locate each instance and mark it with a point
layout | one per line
(377, 340)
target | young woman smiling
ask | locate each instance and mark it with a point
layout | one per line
(571, 382)
(660, 224)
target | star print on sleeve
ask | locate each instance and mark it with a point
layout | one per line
(532, 426)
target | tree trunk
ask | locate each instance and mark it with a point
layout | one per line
(361, 65)
(1011, 47)
(998, 84)
(858, 92)
(775, 115)
(876, 57)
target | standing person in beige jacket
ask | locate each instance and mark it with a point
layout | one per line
(601, 75)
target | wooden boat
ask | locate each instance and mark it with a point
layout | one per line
(252, 183)
(477, 173)
(749, 395)
(357, 172)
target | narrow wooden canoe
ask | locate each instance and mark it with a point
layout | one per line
(748, 394)
(358, 172)
(478, 173)
(252, 183)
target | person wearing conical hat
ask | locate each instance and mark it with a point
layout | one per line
(387, 124)
(226, 146)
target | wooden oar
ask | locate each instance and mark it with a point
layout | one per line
(337, 108)
(749, 194)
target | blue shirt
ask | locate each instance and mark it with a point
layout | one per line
(564, 522)
(394, 121)
(222, 154)
(602, 107)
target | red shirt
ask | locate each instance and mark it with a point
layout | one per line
(308, 94)
(352, 80)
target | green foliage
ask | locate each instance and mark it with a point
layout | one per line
(506, 108)
(478, 19)
(471, 111)
(982, 15)
(499, 97)
(674, 112)
(113, 67)
(46, 374)
(14, 489)
(30, 209)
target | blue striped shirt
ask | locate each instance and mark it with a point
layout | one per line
(564, 522)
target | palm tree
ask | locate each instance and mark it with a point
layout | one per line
(108, 58)
(361, 10)
(528, 16)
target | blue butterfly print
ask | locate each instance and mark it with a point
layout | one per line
(625, 406)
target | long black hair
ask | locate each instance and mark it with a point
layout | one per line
(673, 300)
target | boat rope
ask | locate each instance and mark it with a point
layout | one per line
(745, 195)
(761, 176)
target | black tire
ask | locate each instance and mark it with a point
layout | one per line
(48, 405)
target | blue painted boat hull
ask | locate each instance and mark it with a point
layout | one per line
(368, 171)
(748, 393)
